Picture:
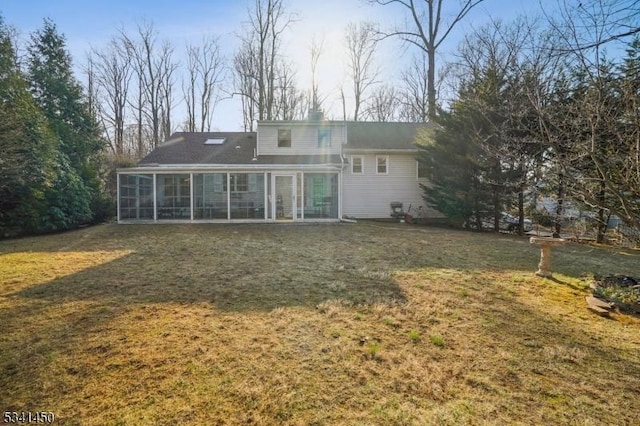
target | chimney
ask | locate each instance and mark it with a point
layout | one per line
(315, 114)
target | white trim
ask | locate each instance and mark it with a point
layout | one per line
(191, 185)
(386, 165)
(293, 195)
(221, 168)
(340, 194)
(327, 143)
(361, 157)
(228, 196)
(376, 150)
(418, 178)
(266, 196)
(118, 197)
(303, 201)
(155, 196)
(301, 123)
(278, 137)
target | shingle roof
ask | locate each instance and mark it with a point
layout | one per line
(189, 148)
(380, 136)
(238, 148)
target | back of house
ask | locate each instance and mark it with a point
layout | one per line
(303, 170)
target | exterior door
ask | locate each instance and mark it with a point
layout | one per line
(284, 192)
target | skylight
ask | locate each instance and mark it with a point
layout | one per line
(214, 141)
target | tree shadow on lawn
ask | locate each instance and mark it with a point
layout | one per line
(262, 272)
(136, 279)
(262, 267)
(519, 337)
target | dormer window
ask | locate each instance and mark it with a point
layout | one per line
(324, 138)
(284, 138)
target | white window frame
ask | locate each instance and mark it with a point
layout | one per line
(361, 158)
(284, 129)
(418, 173)
(324, 143)
(386, 165)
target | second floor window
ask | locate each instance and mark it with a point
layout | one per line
(324, 138)
(284, 138)
(382, 165)
(356, 165)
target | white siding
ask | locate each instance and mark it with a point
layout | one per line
(304, 139)
(368, 195)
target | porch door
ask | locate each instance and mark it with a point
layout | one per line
(284, 192)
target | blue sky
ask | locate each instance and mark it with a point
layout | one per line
(87, 23)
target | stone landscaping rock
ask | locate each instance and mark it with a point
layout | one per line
(621, 292)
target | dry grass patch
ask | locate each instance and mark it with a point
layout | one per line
(326, 324)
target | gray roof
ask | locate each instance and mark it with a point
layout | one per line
(189, 148)
(238, 147)
(381, 136)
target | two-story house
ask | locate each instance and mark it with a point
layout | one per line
(311, 170)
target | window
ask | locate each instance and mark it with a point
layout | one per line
(357, 165)
(173, 196)
(422, 172)
(321, 195)
(239, 182)
(324, 138)
(214, 141)
(136, 197)
(284, 138)
(210, 199)
(382, 165)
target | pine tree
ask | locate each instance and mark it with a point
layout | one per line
(28, 168)
(451, 156)
(63, 103)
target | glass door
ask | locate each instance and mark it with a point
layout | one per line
(284, 192)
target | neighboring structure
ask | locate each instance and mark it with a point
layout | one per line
(313, 170)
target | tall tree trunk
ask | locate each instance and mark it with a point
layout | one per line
(559, 205)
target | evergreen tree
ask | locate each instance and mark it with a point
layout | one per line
(28, 168)
(63, 103)
(451, 156)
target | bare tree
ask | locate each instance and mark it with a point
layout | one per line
(414, 93)
(427, 31)
(201, 90)
(383, 104)
(113, 71)
(246, 82)
(290, 102)
(598, 160)
(588, 25)
(316, 51)
(257, 62)
(154, 68)
(361, 47)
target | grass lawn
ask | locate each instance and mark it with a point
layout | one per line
(363, 323)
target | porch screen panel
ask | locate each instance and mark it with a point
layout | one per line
(173, 195)
(321, 195)
(247, 195)
(136, 197)
(210, 196)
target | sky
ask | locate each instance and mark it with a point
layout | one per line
(87, 24)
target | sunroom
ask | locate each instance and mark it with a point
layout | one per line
(152, 196)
